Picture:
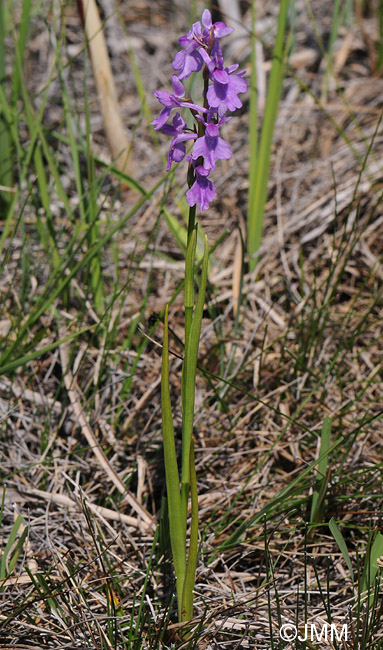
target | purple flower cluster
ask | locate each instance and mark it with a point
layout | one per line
(201, 49)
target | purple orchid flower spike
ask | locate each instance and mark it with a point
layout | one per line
(173, 100)
(222, 85)
(202, 191)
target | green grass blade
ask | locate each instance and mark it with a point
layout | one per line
(21, 44)
(21, 361)
(92, 212)
(47, 234)
(36, 130)
(140, 86)
(253, 114)
(260, 163)
(284, 495)
(335, 24)
(17, 550)
(177, 523)
(6, 168)
(371, 567)
(7, 563)
(333, 526)
(59, 281)
(6, 165)
(321, 483)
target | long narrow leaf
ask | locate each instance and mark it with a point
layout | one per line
(21, 361)
(258, 194)
(333, 526)
(176, 520)
(253, 115)
(321, 483)
(6, 165)
(6, 559)
(371, 567)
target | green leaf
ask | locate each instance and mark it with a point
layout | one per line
(322, 477)
(9, 557)
(177, 522)
(260, 155)
(333, 526)
(21, 361)
(371, 567)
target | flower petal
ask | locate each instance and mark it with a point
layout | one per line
(202, 191)
(179, 90)
(220, 29)
(161, 119)
(221, 77)
(206, 19)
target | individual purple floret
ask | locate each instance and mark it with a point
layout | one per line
(223, 93)
(173, 100)
(180, 136)
(202, 191)
(219, 29)
(211, 147)
(189, 60)
(201, 50)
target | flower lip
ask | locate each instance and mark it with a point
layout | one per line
(212, 130)
(221, 76)
(202, 171)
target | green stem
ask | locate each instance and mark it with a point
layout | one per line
(188, 382)
(187, 598)
(191, 223)
(189, 273)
